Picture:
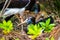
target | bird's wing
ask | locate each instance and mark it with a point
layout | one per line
(11, 12)
(21, 11)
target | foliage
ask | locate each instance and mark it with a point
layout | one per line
(42, 7)
(57, 4)
(47, 39)
(47, 26)
(2, 38)
(34, 30)
(6, 26)
(52, 38)
(17, 39)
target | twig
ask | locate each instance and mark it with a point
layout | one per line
(5, 5)
(8, 5)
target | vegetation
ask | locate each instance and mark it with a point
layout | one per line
(47, 26)
(6, 26)
(17, 39)
(40, 31)
(34, 30)
(2, 38)
(52, 38)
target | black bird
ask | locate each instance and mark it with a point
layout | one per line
(18, 4)
(31, 20)
(44, 20)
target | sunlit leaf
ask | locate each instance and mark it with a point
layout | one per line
(52, 38)
(4, 23)
(47, 22)
(42, 24)
(47, 39)
(17, 39)
(6, 26)
(51, 25)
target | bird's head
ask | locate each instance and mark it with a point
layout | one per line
(30, 20)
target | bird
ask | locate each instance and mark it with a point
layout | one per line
(44, 19)
(31, 20)
(17, 6)
(12, 11)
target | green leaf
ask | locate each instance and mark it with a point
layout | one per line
(38, 25)
(17, 39)
(42, 24)
(1, 25)
(9, 23)
(31, 26)
(30, 31)
(47, 22)
(35, 28)
(47, 39)
(4, 23)
(39, 31)
(52, 38)
(51, 25)
(7, 26)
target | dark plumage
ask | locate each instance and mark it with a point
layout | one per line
(9, 17)
(19, 4)
(44, 20)
(32, 20)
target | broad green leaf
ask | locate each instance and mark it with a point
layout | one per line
(51, 25)
(11, 26)
(9, 23)
(39, 31)
(42, 24)
(35, 28)
(31, 26)
(38, 25)
(31, 31)
(47, 22)
(7, 26)
(4, 23)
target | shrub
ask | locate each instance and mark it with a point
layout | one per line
(6, 26)
(34, 30)
(47, 26)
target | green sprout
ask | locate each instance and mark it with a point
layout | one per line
(47, 26)
(6, 26)
(17, 39)
(52, 38)
(34, 30)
